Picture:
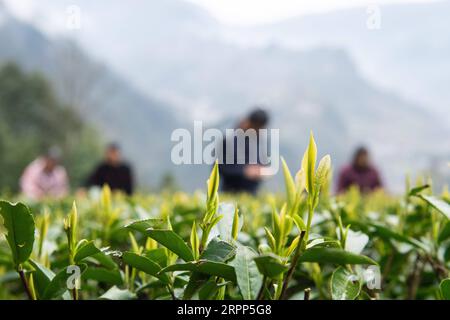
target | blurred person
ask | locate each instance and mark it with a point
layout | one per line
(360, 173)
(45, 177)
(244, 177)
(113, 172)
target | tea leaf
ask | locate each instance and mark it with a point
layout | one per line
(211, 268)
(87, 250)
(99, 274)
(213, 182)
(445, 233)
(42, 276)
(417, 190)
(144, 264)
(218, 251)
(344, 285)
(445, 289)
(143, 225)
(19, 224)
(58, 285)
(323, 169)
(235, 228)
(387, 233)
(289, 184)
(115, 293)
(248, 277)
(336, 256)
(309, 164)
(440, 205)
(173, 242)
(270, 266)
(195, 243)
(210, 289)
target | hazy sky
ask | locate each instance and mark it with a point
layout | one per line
(240, 12)
(262, 11)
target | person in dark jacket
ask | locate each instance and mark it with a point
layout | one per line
(113, 172)
(360, 173)
(241, 174)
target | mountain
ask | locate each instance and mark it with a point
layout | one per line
(408, 53)
(142, 125)
(176, 52)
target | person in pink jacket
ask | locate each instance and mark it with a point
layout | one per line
(45, 177)
(360, 173)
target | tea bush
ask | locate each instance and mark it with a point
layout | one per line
(305, 244)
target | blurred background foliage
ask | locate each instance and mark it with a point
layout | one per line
(33, 119)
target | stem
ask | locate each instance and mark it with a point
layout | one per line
(439, 269)
(310, 216)
(293, 264)
(75, 294)
(72, 263)
(307, 294)
(25, 283)
(279, 289)
(387, 269)
(263, 288)
(415, 278)
(172, 293)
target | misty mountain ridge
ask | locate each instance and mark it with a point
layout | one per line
(409, 53)
(195, 74)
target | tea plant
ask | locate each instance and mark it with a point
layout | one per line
(305, 244)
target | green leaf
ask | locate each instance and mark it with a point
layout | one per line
(417, 190)
(144, 264)
(445, 289)
(270, 239)
(309, 164)
(42, 276)
(143, 225)
(158, 256)
(113, 277)
(387, 233)
(445, 233)
(299, 223)
(86, 250)
(196, 281)
(322, 171)
(58, 286)
(19, 224)
(173, 242)
(213, 182)
(218, 251)
(115, 293)
(248, 277)
(104, 259)
(270, 266)
(208, 290)
(71, 227)
(235, 226)
(333, 255)
(211, 268)
(195, 245)
(289, 184)
(345, 285)
(438, 204)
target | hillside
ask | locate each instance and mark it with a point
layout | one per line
(409, 52)
(100, 96)
(197, 73)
